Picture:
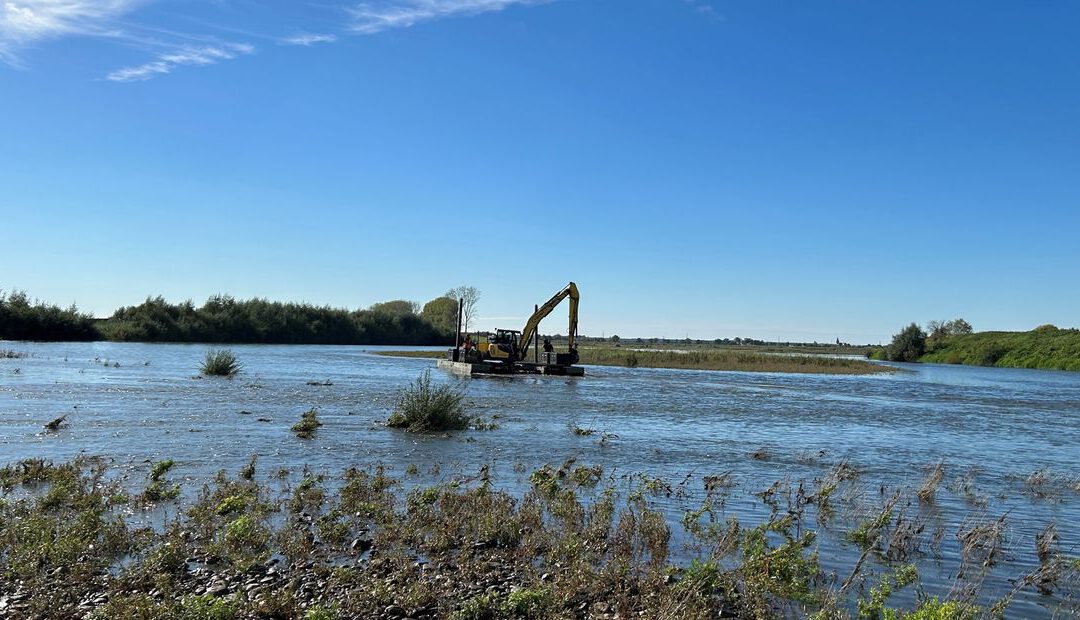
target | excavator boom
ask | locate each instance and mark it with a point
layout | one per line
(529, 335)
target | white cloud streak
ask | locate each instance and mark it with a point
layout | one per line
(373, 17)
(23, 22)
(191, 56)
(308, 40)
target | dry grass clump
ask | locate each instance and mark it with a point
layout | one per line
(906, 538)
(982, 542)
(1048, 484)
(965, 487)
(928, 490)
(843, 472)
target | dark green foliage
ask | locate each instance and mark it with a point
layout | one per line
(1046, 347)
(424, 407)
(22, 320)
(224, 319)
(907, 346)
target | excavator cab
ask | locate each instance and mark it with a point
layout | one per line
(504, 345)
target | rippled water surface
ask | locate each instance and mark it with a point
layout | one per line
(134, 402)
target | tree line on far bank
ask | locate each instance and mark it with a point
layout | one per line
(223, 319)
(955, 342)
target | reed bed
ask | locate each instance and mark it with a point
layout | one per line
(727, 360)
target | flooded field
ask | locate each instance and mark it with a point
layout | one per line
(1008, 439)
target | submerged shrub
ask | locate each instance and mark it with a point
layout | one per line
(424, 407)
(160, 469)
(221, 363)
(305, 428)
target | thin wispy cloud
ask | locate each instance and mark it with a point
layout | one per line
(706, 9)
(23, 22)
(308, 40)
(26, 22)
(373, 17)
(193, 56)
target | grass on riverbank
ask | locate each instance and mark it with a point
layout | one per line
(361, 546)
(1046, 347)
(705, 359)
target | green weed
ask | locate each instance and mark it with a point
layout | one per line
(220, 363)
(308, 424)
(425, 407)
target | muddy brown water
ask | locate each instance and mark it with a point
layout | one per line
(135, 403)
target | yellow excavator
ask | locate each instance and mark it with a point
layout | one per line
(509, 346)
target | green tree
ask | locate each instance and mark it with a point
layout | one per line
(398, 307)
(938, 332)
(441, 312)
(21, 319)
(907, 346)
(958, 327)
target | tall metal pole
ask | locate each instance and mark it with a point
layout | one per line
(457, 333)
(536, 339)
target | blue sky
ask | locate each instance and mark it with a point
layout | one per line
(781, 170)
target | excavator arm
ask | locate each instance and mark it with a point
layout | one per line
(529, 335)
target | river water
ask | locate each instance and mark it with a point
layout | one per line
(993, 428)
